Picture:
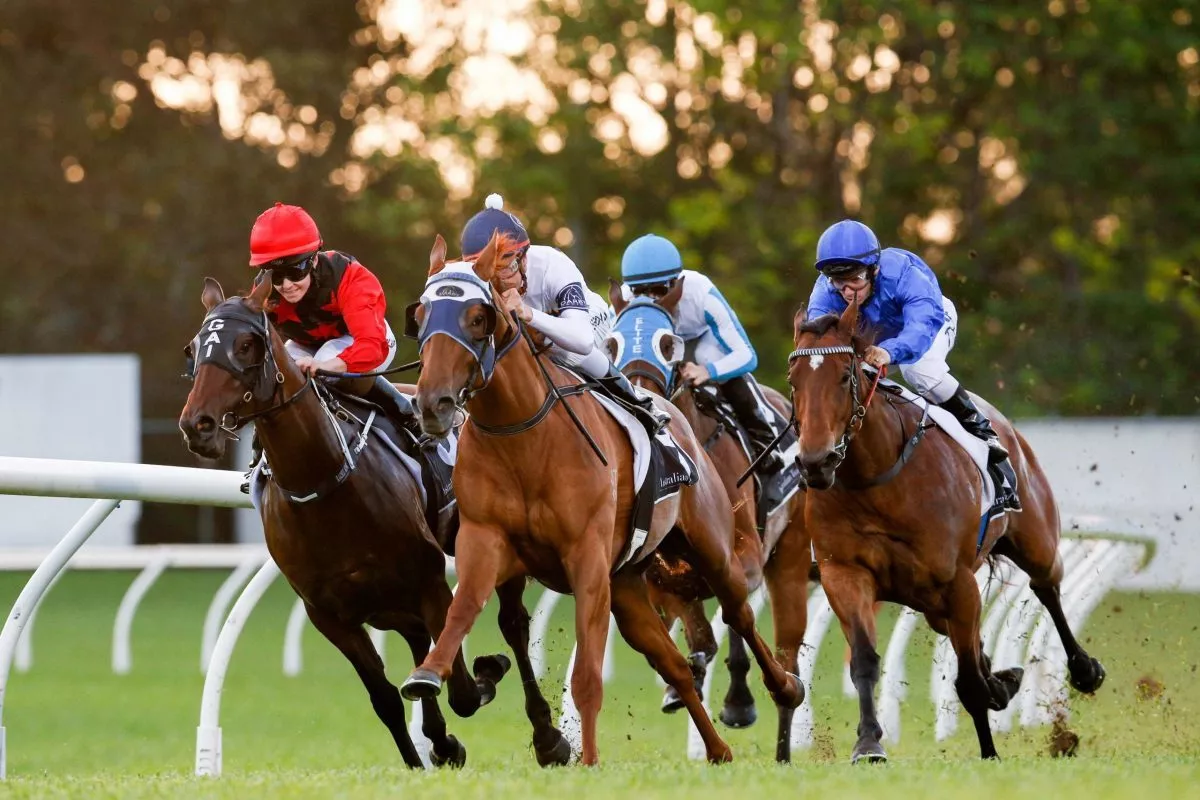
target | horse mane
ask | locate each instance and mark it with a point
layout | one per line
(822, 325)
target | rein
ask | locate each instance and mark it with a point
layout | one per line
(859, 412)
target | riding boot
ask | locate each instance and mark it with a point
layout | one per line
(752, 416)
(642, 406)
(976, 424)
(395, 404)
(255, 456)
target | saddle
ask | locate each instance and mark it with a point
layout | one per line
(771, 491)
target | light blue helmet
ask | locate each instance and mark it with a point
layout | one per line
(847, 246)
(650, 259)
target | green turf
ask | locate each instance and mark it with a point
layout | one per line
(75, 729)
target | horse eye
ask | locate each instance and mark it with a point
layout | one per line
(845, 377)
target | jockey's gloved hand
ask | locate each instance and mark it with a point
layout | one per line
(877, 357)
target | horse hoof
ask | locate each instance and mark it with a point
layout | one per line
(869, 752)
(1010, 679)
(422, 684)
(739, 716)
(671, 701)
(489, 670)
(556, 755)
(1087, 674)
(721, 756)
(791, 695)
(455, 759)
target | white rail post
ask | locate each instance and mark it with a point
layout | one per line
(23, 660)
(122, 653)
(293, 656)
(220, 602)
(208, 734)
(32, 593)
(538, 626)
(820, 613)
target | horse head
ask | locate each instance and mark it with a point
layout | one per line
(643, 343)
(236, 364)
(825, 373)
(457, 324)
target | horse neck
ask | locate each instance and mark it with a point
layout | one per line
(515, 392)
(300, 442)
(877, 444)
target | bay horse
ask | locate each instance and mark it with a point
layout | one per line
(781, 554)
(349, 531)
(902, 524)
(535, 500)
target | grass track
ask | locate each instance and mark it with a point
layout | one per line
(77, 730)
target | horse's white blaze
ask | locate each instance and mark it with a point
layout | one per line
(814, 362)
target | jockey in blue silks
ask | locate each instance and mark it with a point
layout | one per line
(899, 299)
(724, 356)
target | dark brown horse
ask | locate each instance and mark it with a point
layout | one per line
(908, 531)
(781, 554)
(344, 520)
(534, 499)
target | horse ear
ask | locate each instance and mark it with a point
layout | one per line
(437, 256)
(848, 324)
(672, 348)
(485, 265)
(610, 348)
(798, 320)
(671, 299)
(257, 299)
(616, 296)
(212, 295)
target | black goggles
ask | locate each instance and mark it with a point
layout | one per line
(294, 270)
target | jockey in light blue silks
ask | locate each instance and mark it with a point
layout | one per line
(900, 300)
(545, 289)
(724, 356)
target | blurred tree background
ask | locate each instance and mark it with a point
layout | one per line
(1042, 156)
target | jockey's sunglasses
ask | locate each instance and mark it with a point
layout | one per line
(293, 271)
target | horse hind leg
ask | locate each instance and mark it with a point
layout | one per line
(641, 627)
(550, 747)
(738, 710)
(1044, 567)
(354, 643)
(447, 749)
(702, 644)
(851, 592)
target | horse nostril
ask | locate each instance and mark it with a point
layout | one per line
(205, 424)
(445, 403)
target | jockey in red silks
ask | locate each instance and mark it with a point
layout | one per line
(328, 307)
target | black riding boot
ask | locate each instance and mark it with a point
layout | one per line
(395, 404)
(620, 389)
(966, 412)
(255, 456)
(750, 413)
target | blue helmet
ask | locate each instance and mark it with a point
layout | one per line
(650, 259)
(846, 246)
(479, 229)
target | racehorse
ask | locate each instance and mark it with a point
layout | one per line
(901, 522)
(344, 520)
(534, 500)
(781, 554)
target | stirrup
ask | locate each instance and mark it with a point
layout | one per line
(245, 487)
(997, 452)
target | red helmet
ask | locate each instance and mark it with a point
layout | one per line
(282, 231)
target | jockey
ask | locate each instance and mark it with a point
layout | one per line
(546, 290)
(328, 307)
(900, 300)
(650, 266)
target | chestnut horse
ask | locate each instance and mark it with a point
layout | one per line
(902, 524)
(535, 499)
(781, 554)
(349, 532)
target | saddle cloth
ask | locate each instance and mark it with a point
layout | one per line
(660, 469)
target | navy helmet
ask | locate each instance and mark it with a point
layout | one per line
(493, 219)
(650, 259)
(847, 246)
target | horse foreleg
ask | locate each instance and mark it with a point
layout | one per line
(447, 749)
(354, 643)
(641, 627)
(590, 584)
(738, 710)
(702, 644)
(851, 592)
(483, 558)
(977, 688)
(787, 582)
(549, 745)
